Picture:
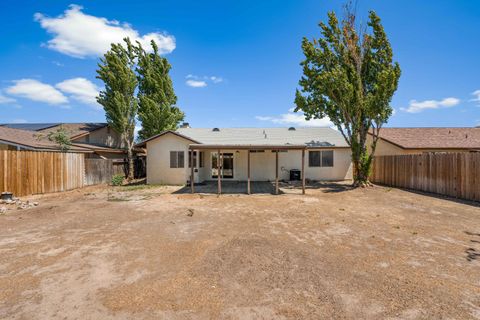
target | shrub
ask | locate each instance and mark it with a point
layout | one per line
(117, 180)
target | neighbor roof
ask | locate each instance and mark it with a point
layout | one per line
(74, 130)
(312, 137)
(433, 138)
(31, 140)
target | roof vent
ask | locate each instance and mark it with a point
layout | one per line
(291, 129)
(185, 125)
(215, 129)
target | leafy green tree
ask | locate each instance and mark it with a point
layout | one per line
(61, 137)
(349, 76)
(117, 71)
(157, 99)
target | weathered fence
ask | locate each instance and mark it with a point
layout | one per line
(452, 174)
(101, 171)
(32, 172)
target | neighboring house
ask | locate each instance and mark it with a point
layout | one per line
(99, 138)
(15, 139)
(246, 152)
(395, 141)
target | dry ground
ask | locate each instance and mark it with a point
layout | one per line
(149, 254)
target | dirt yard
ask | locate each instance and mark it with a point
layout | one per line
(375, 253)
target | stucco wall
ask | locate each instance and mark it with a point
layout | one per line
(158, 160)
(103, 137)
(262, 165)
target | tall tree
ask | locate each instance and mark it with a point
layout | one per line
(349, 76)
(157, 100)
(117, 71)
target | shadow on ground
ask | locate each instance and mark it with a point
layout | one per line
(473, 253)
(265, 187)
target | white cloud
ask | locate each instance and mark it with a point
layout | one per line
(80, 35)
(215, 79)
(80, 89)
(296, 119)
(19, 121)
(5, 99)
(418, 106)
(200, 82)
(196, 83)
(37, 91)
(476, 93)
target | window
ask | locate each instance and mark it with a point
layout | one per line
(327, 158)
(320, 158)
(195, 154)
(202, 161)
(314, 158)
(177, 159)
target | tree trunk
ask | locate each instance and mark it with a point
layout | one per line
(131, 168)
(362, 165)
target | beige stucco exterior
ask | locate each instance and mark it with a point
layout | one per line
(102, 137)
(262, 165)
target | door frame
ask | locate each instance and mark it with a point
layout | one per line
(211, 176)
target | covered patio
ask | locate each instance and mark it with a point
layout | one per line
(247, 185)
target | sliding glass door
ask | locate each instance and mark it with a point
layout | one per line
(226, 168)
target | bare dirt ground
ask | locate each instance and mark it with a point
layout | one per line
(374, 253)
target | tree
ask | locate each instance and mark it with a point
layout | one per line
(157, 99)
(60, 137)
(349, 76)
(117, 71)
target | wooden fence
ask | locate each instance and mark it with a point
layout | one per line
(452, 174)
(101, 171)
(32, 172)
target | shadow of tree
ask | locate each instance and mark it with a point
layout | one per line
(472, 253)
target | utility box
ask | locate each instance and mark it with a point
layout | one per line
(295, 175)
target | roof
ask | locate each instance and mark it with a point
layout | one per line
(29, 126)
(73, 129)
(31, 140)
(267, 137)
(76, 130)
(97, 148)
(433, 138)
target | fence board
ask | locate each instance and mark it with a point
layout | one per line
(32, 172)
(99, 171)
(452, 174)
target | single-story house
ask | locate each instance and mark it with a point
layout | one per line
(397, 141)
(99, 139)
(246, 154)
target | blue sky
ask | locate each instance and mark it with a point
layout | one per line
(234, 63)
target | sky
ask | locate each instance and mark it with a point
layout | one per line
(234, 63)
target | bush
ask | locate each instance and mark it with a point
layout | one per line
(117, 180)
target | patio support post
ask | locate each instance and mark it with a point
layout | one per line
(219, 159)
(248, 171)
(276, 172)
(303, 171)
(192, 172)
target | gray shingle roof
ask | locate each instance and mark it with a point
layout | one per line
(312, 136)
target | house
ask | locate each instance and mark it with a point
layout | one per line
(396, 141)
(246, 154)
(99, 139)
(16, 139)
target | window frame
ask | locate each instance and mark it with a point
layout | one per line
(321, 163)
(177, 155)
